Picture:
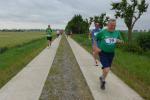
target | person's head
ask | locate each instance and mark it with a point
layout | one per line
(111, 25)
(49, 26)
(97, 25)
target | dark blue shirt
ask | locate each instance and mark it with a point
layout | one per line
(94, 33)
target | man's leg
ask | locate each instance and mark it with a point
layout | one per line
(106, 60)
(105, 68)
(103, 77)
(94, 55)
(105, 72)
(49, 43)
(108, 63)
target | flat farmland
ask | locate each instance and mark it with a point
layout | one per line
(12, 39)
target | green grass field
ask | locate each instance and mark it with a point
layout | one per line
(23, 47)
(11, 39)
(13, 60)
(132, 68)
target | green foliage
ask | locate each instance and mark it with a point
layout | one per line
(130, 11)
(78, 25)
(140, 43)
(134, 70)
(84, 41)
(132, 47)
(143, 41)
(124, 36)
(14, 59)
(102, 19)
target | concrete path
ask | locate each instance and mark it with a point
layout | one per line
(115, 88)
(28, 83)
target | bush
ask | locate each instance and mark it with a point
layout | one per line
(124, 36)
(132, 47)
(143, 41)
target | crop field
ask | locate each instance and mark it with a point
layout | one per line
(16, 51)
(12, 39)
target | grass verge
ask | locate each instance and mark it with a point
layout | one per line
(14, 59)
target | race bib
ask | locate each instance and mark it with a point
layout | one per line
(111, 40)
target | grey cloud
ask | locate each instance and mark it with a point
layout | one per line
(56, 12)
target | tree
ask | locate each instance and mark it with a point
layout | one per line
(88, 22)
(102, 19)
(130, 11)
(77, 25)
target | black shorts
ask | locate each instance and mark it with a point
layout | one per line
(106, 59)
(49, 38)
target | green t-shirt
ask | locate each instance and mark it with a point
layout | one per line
(107, 40)
(49, 32)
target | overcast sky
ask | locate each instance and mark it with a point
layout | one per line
(40, 13)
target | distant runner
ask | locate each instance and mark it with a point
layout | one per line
(58, 33)
(108, 39)
(95, 50)
(49, 35)
(68, 33)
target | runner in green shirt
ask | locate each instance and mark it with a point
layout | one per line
(49, 35)
(108, 39)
